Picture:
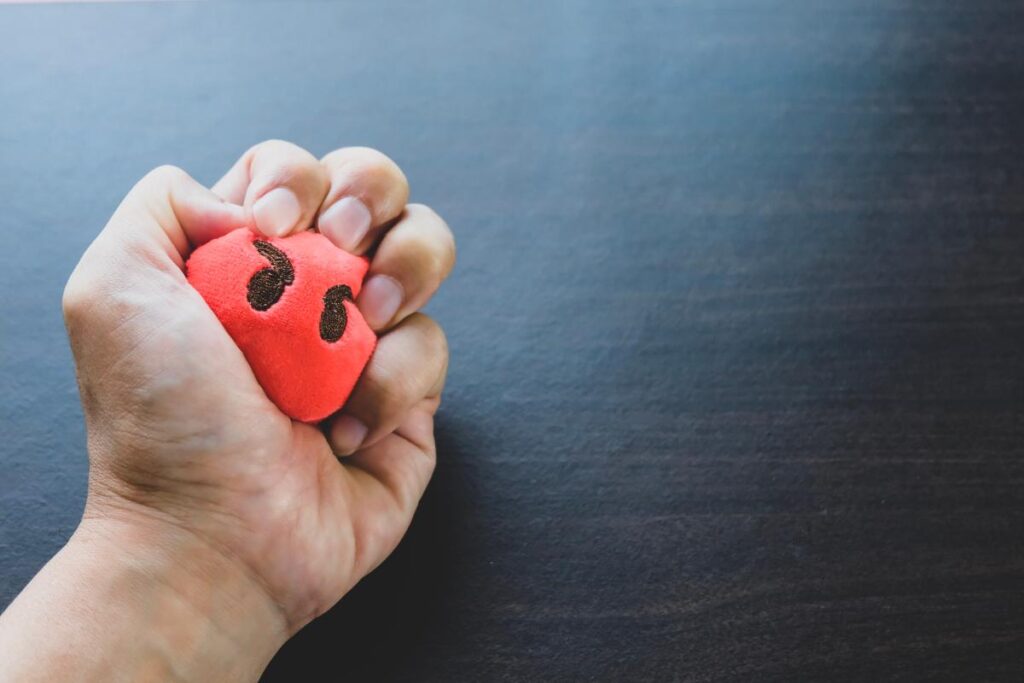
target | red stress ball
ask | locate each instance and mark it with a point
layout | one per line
(288, 304)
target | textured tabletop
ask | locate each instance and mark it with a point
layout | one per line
(737, 377)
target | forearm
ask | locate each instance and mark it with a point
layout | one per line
(124, 602)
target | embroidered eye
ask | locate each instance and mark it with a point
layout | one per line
(267, 285)
(334, 318)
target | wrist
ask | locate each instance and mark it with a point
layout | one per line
(202, 606)
(154, 600)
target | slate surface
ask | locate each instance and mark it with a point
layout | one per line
(736, 384)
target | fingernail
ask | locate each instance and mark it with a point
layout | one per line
(345, 223)
(347, 434)
(379, 300)
(276, 212)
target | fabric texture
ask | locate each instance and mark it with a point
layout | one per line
(287, 304)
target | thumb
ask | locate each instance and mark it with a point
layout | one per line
(170, 208)
(144, 245)
(157, 225)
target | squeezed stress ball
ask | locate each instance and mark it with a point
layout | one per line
(288, 304)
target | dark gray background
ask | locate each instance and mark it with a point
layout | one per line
(736, 382)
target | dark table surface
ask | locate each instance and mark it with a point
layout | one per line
(737, 381)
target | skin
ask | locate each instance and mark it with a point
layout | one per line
(215, 527)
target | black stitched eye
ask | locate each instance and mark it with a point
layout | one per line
(334, 318)
(267, 285)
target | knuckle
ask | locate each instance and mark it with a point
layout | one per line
(382, 170)
(424, 256)
(375, 170)
(273, 145)
(447, 254)
(422, 211)
(436, 243)
(271, 142)
(278, 162)
(166, 174)
(433, 338)
(75, 299)
(366, 158)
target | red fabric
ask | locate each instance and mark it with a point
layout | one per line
(307, 377)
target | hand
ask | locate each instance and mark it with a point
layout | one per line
(186, 451)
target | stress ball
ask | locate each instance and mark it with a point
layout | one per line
(288, 305)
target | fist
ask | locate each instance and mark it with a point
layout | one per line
(288, 305)
(176, 316)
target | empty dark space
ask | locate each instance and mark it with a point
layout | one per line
(737, 382)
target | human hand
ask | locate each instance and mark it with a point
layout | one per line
(186, 451)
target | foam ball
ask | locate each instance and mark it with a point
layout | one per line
(288, 305)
